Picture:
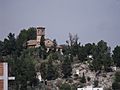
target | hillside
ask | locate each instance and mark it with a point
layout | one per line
(45, 65)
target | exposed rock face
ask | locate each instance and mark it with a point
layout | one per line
(104, 79)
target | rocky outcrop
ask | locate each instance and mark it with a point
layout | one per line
(104, 79)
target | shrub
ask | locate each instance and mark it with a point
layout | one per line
(65, 86)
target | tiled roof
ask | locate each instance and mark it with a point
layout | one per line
(31, 42)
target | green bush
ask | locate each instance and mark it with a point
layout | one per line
(96, 82)
(83, 80)
(65, 86)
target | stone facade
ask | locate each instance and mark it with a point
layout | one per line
(36, 43)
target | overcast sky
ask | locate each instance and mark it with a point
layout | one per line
(92, 20)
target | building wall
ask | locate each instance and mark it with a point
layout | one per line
(1, 74)
(1, 84)
(36, 43)
(38, 39)
(1, 69)
(31, 46)
(48, 43)
(40, 32)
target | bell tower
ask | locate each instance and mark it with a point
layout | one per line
(40, 32)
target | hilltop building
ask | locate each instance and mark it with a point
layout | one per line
(36, 43)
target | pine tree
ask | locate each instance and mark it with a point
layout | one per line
(42, 48)
(66, 67)
(116, 56)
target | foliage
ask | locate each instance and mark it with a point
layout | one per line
(84, 51)
(52, 73)
(24, 36)
(31, 32)
(53, 56)
(83, 79)
(65, 86)
(82, 54)
(72, 47)
(117, 77)
(42, 48)
(43, 70)
(9, 47)
(22, 60)
(88, 48)
(116, 83)
(116, 56)
(116, 86)
(54, 45)
(1, 48)
(23, 69)
(101, 56)
(66, 67)
(48, 71)
(88, 78)
(96, 82)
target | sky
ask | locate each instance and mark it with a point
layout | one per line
(91, 20)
